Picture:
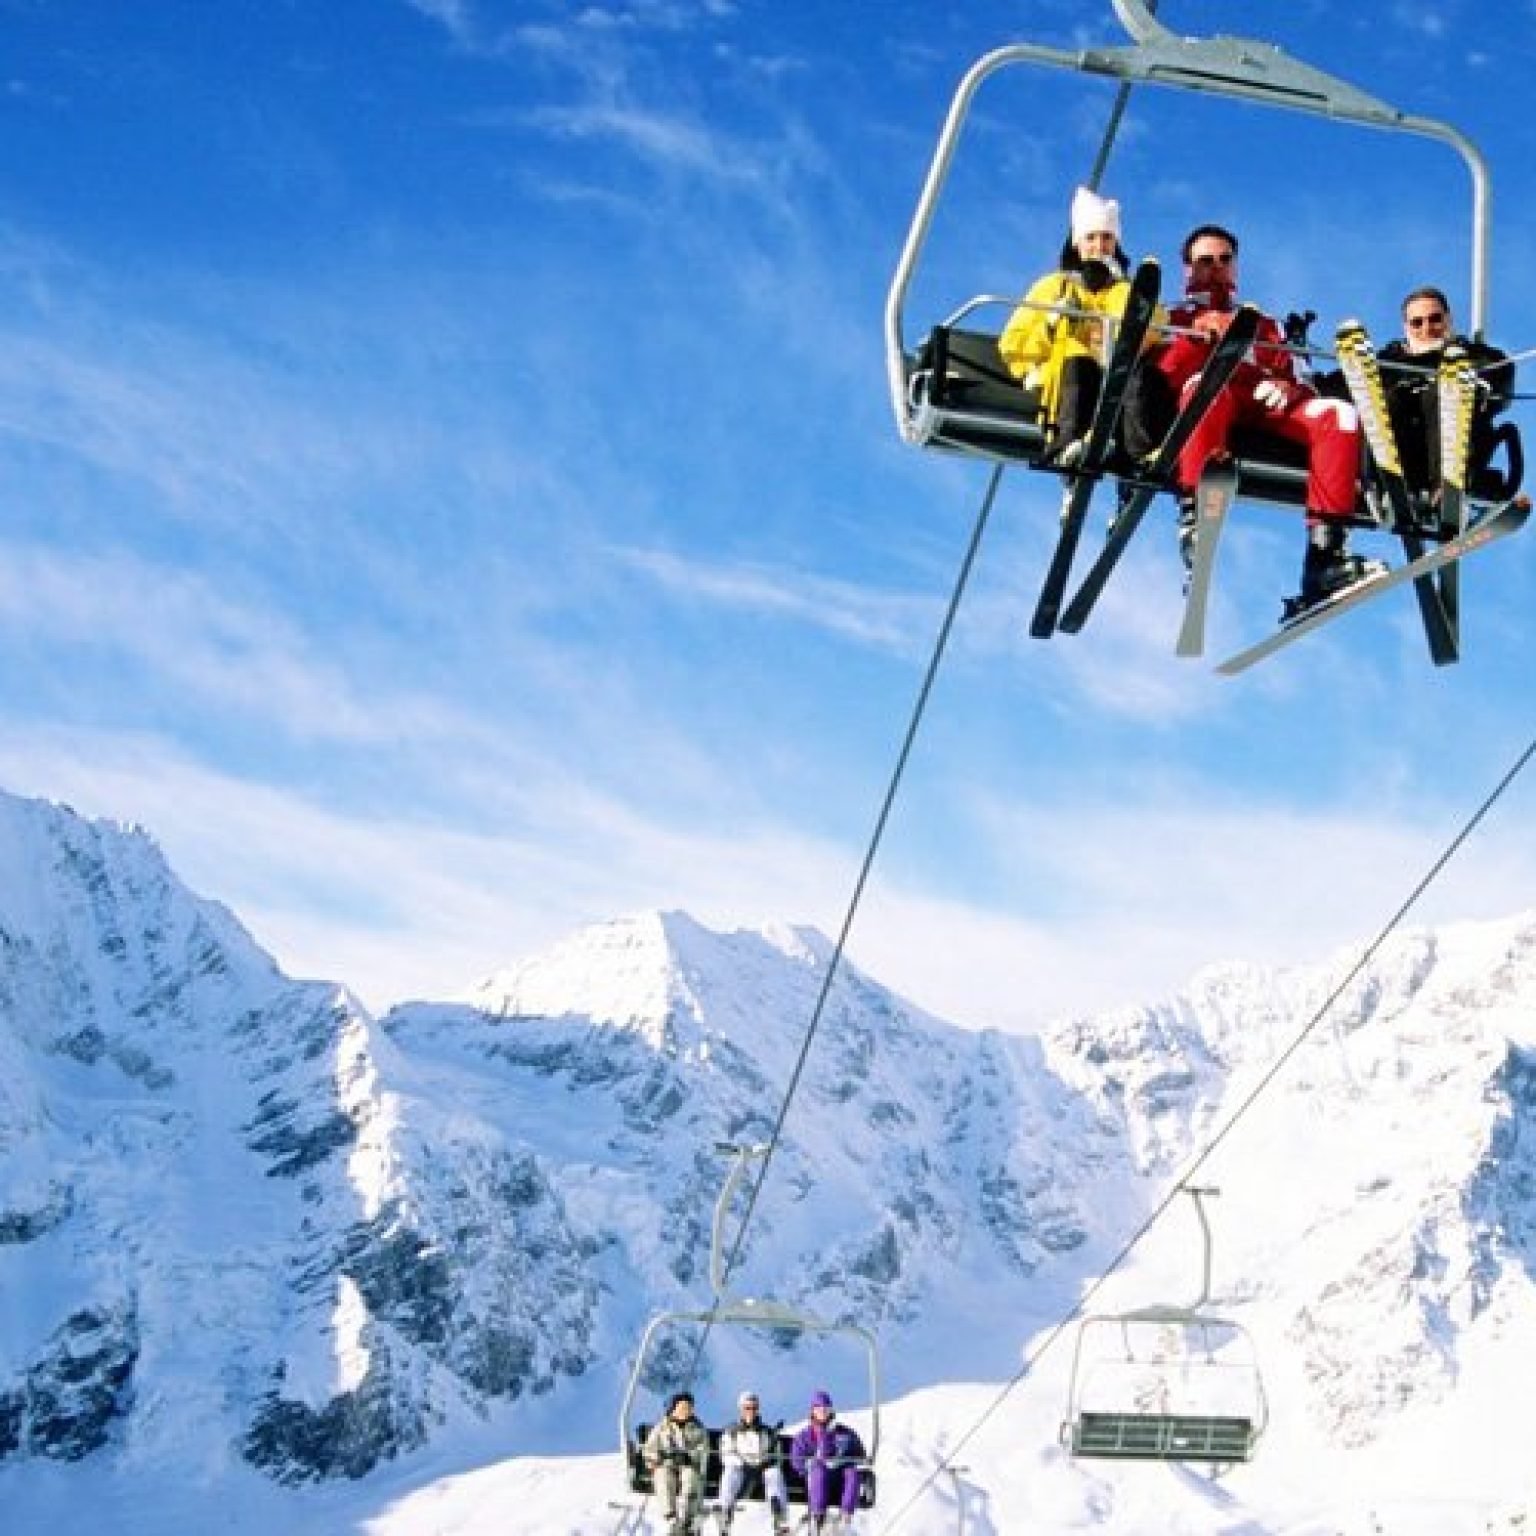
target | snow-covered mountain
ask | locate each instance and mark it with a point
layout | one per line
(252, 1238)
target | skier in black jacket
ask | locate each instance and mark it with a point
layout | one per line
(1408, 374)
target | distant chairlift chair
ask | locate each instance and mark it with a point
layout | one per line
(732, 1312)
(1166, 1383)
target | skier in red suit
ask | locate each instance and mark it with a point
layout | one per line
(1264, 393)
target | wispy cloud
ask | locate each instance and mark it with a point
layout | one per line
(852, 611)
(1430, 20)
(611, 78)
(1105, 903)
(187, 639)
(1124, 666)
(455, 16)
(665, 139)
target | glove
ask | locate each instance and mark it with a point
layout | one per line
(1273, 394)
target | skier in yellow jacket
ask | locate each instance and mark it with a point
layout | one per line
(1056, 342)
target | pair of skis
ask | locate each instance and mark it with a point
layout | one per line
(1432, 572)
(1135, 322)
(1454, 383)
(1498, 523)
(1230, 349)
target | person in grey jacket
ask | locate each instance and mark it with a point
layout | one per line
(677, 1452)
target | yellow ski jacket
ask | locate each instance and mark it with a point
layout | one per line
(1057, 319)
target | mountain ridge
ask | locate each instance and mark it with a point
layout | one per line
(258, 1229)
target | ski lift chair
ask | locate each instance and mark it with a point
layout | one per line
(1172, 1392)
(1183, 1385)
(731, 1312)
(951, 393)
(768, 1316)
(936, 406)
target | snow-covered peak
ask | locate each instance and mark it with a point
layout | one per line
(625, 973)
(664, 977)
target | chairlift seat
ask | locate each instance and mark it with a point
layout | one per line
(964, 398)
(1162, 1437)
(642, 1481)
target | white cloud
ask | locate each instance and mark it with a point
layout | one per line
(891, 622)
(1106, 904)
(1123, 664)
(455, 16)
(1426, 19)
(666, 139)
(190, 640)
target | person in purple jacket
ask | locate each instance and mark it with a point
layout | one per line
(829, 1456)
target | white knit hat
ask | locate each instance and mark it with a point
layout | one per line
(1092, 214)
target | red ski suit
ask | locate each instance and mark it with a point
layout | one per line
(1328, 429)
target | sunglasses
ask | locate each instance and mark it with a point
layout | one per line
(1418, 322)
(1219, 259)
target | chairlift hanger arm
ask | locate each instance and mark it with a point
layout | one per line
(1242, 68)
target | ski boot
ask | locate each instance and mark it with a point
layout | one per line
(1327, 570)
(780, 1518)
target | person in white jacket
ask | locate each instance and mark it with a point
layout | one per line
(749, 1458)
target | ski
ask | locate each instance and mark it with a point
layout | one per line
(1228, 352)
(1492, 526)
(1362, 373)
(1140, 308)
(1456, 386)
(1213, 500)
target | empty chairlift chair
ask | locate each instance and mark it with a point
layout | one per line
(1166, 1382)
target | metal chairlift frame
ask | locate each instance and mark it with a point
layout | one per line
(1241, 68)
(730, 1311)
(1134, 1435)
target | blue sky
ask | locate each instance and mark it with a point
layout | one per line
(449, 492)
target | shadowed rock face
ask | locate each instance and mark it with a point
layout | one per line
(75, 1392)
